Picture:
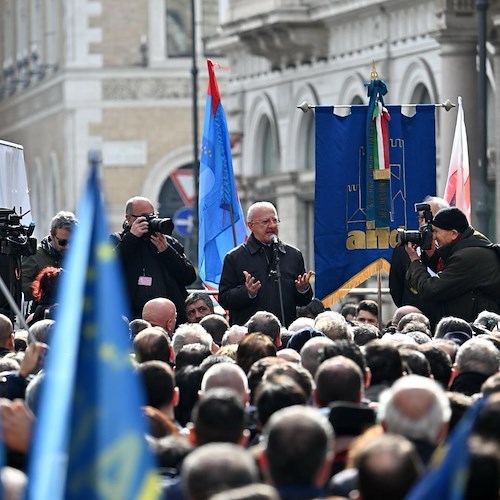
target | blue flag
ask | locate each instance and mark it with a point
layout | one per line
(89, 437)
(346, 252)
(221, 221)
(448, 479)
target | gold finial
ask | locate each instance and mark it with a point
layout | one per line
(374, 74)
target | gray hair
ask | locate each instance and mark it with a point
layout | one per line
(234, 335)
(190, 333)
(479, 356)
(333, 325)
(63, 220)
(41, 330)
(425, 428)
(256, 206)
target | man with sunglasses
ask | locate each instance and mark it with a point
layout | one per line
(249, 280)
(154, 264)
(50, 251)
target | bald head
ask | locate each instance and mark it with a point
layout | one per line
(228, 376)
(403, 311)
(6, 332)
(160, 312)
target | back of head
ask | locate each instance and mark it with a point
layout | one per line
(413, 317)
(215, 468)
(188, 380)
(489, 320)
(216, 326)
(190, 333)
(160, 312)
(234, 335)
(252, 348)
(387, 466)
(384, 362)
(312, 354)
(403, 311)
(219, 417)
(439, 362)
(364, 333)
(349, 350)
(159, 383)
(250, 492)
(191, 355)
(452, 324)
(226, 376)
(276, 394)
(266, 323)
(136, 326)
(294, 371)
(415, 362)
(415, 407)
(152, 344)
(291, 435)
(338, 379)
(257, 371)
(44, 286)
(41, 331)
(478, 356)
(6, 329)
(333, 325)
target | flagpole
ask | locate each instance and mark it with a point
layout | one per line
(196, 165)
(233, 226)
(12, 303)
(305, 106)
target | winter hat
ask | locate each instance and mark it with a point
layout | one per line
(451, 218)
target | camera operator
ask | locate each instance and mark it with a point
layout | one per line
(154, 264)
(468, 272)
(400, 289)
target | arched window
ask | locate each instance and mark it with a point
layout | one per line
(420, 95)
(310, 158)
(270, 157)
(357, 100)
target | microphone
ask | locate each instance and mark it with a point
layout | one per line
(274, 239)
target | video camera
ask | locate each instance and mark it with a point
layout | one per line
(15, 238)
(422, 236)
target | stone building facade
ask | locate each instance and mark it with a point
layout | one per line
(116, 76)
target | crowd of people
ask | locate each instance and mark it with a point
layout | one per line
(285, 399)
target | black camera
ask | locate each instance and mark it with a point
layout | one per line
(15, 238)
(422, 236)
(157, 225)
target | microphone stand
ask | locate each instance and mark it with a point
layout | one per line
(278, 278)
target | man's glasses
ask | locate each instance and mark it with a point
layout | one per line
(266, 222)
(154, 214)
(62, 241)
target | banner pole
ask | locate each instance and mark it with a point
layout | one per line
(379, 298)
(447, 105)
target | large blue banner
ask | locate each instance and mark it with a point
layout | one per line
(346, 253)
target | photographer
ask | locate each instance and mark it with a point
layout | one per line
(154, 264)
(50, 252)
(468, 272)
(399, 287)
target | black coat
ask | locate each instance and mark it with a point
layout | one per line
(468, 283)
(251, 256)
(171, 272)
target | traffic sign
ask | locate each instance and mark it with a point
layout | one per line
(183, 220)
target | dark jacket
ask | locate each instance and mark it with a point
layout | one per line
(46, 256)
(400, 289)
(171, 272)
(468, 283)
(251, 256)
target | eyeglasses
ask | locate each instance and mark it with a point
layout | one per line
(61, 242)
(154, 214)
(266, 222)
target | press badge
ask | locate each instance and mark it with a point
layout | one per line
(145, 281)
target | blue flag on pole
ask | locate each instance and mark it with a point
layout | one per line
(89, 437)
(346, 252)
(221, 220)
(448, 479)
